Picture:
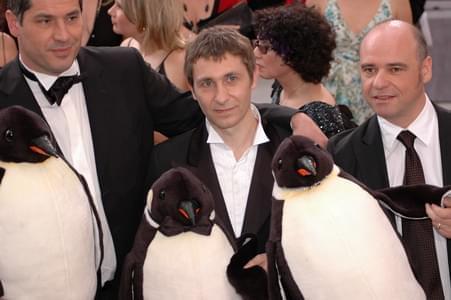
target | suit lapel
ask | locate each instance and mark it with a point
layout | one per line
(371, 171)
(201, 163)
(17, 89)
(258, 208)
(95, 89)
(444, 125)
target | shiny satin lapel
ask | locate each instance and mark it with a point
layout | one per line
(374, 170)
(199, 158)
(258, 206)
(96, 88)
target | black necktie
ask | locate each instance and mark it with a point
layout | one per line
(418, 234)
(59, 88)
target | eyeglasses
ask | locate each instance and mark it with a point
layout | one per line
(263, 47)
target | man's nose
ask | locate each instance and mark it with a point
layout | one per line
(60, 31)
(380, 80)
(222, 93)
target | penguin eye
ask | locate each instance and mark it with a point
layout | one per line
(9, 135)
(162, 195)
(279, 163)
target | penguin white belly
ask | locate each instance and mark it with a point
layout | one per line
(343, 248)
(188, 266)
(47, 248)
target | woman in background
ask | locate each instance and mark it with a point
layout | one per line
(8, 47)
(154, 27)
(351, 20)
(294, 46)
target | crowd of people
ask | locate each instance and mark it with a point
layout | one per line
(351, 82)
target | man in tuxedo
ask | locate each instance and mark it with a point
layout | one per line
(104, 125)
(231, 151)
(395, 67)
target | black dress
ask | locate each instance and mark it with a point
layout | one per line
(330, 119)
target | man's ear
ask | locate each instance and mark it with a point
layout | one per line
(191, 88)
(426, 69)
(13, 23)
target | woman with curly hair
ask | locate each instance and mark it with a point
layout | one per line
(294, 46)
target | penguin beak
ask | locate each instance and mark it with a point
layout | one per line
(306, 166)
(188, 210)
(42, 145)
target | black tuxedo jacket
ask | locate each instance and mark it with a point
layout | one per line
(125, 100)
(192, 151)
(360, 152)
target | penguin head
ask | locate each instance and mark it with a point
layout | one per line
(179, 195)
(24, 136)
(299, 162)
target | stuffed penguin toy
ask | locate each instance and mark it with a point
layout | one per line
(180, 250)
(50, 238)
(329, 237)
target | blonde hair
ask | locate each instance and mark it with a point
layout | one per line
(159, 20)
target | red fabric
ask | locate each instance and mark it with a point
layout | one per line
(225, 4)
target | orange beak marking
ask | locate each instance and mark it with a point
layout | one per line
(38, 150)
(303, 172)
(181, 211)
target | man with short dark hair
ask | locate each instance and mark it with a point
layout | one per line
(104, 124)
(231, 151)
(395, 67)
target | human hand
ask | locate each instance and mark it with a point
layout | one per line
(302, 124)
(441, 216)
(260, 260)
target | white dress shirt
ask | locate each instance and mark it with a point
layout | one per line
(235, 176)
(70, 126)
(427, 145)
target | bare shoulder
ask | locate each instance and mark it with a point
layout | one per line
(401, 10)
(319, 5)
(173, 66)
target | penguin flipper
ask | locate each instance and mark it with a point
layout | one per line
(250, 283)
(2, 293)
(126, 282)
(409, 201)
(273, 278)
(289, 285)
(2, 173)
(277, 263)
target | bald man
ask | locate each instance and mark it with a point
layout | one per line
(395, 66)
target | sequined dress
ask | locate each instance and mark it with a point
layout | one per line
(330, 119)
(344, 77)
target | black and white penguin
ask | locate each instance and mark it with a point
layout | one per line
(180, 250)
(329, 237)
(50, 239)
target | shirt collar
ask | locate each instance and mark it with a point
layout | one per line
(421, 127)
(259, 138)
(48, 80)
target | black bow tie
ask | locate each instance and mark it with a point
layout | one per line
(59, 88)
